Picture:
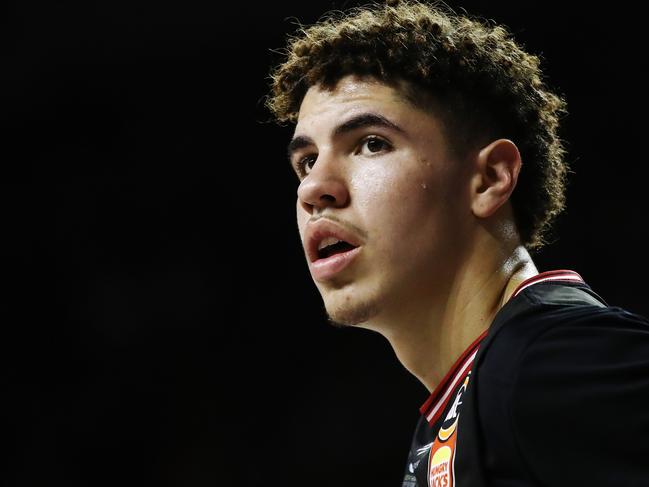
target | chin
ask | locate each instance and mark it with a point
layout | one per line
(350, 312)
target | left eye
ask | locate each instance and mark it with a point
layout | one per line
(374, 144)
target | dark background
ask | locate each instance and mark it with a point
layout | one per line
(160, 324)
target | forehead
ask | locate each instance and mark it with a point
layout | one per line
(350, 94)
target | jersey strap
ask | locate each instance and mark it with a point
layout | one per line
(558, 275)
(436, 403)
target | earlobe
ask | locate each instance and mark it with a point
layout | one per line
(496, 169)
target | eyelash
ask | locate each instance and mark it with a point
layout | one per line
(301, 163)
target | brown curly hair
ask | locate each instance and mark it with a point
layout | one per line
(485, 84)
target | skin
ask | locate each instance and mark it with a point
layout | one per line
(440, 253)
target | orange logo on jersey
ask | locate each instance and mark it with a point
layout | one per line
(440, 467)
(441, 471)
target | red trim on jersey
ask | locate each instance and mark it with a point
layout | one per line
(559, 275)
(437, 401)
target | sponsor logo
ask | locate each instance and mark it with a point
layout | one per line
(440, 468)
(441, 471)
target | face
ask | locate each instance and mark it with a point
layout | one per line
(375, 172)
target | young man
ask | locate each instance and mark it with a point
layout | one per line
(429, 164)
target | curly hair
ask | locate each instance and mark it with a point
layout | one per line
(483, 84)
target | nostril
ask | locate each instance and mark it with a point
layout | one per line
(328, 197)
(308, 207)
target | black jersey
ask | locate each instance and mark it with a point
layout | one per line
(554, 393)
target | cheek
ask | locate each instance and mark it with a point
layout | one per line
(386, 181)
(409, 213)
(396, 198)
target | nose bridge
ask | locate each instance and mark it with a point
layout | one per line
(325, 185)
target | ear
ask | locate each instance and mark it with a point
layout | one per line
(495, 175)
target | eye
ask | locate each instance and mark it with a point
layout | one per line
(374, 144)
(304, 165)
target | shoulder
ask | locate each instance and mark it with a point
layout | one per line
(573, 378)
(559, 322)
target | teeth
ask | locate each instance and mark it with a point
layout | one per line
(328, 241)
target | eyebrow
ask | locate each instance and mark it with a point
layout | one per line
(362, 120)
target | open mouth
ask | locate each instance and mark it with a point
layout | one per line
(329, 254)
(332, 246)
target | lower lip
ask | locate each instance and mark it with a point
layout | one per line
(323, 269)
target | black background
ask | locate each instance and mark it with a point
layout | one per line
(160, 324)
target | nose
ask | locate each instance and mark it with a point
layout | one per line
(325, 186)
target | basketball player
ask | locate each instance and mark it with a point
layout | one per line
(429, 170)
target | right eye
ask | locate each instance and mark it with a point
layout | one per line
(305, 164)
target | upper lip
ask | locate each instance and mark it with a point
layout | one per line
(319, 230)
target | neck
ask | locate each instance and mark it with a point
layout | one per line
(428, 341)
